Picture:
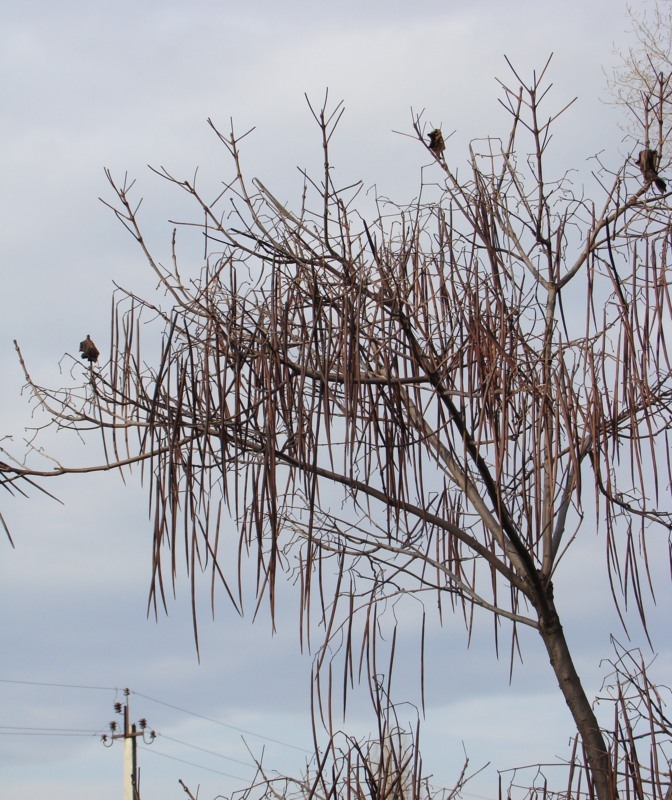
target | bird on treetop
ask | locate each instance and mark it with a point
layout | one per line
(436, 143)
(89, 350)
(648, 164)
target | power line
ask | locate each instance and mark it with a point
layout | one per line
(16, 730)
(48, 730)
(163, 703)
(38, 733)
(63, 685)
(224, 724)
(209, 752)
(191, 764)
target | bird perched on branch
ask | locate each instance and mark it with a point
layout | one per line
(436, 143)
(648, 163)
(88, 350)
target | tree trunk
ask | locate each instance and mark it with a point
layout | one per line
(593, 741)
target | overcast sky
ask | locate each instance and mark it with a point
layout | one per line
(88, 85)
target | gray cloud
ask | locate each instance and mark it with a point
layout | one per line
(97, 85)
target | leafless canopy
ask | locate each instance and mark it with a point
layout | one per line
(387, 766)
(640, 81)
(640, 741)
(394, 402)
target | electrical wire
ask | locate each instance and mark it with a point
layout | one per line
(203, 750)
(17, 730)
(160, 702)
(223, 724)
(53, 733)
(191, 764)
(40, 729)
(116, 689)
(63, 685)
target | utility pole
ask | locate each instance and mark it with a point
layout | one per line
(130, 736)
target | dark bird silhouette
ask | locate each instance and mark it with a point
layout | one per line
(88, 350)
(436, 143)
(648, 163)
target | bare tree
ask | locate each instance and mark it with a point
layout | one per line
(387, 766)
(640, 81)
(426, 401)
(642, 735)
(640, 740)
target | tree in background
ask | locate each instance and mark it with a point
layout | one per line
(640, 82)
(387, 766)
(412, 402)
